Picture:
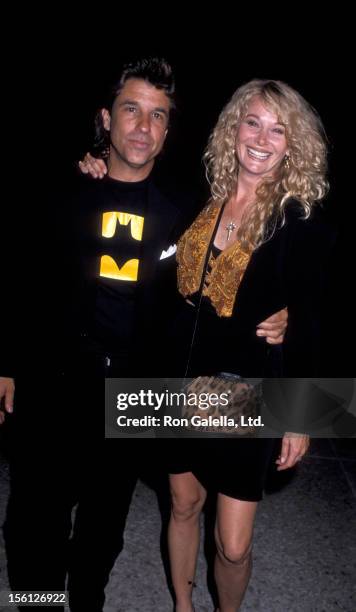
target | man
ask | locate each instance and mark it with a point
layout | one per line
(112, 236)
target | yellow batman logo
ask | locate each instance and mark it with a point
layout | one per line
(110, 220)
(108, 266)
(110, 269)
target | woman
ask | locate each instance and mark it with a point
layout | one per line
(256, 248)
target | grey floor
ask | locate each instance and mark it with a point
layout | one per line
(304, 551)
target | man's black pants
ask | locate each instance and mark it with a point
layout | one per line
(60, 459)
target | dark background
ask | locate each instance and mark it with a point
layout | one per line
(61, 72)
(75, 85)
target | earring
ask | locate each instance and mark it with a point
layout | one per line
(286, 161)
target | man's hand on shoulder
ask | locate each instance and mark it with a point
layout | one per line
(7, 392)
(93, 166)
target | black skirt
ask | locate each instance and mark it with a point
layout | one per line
(234, 467)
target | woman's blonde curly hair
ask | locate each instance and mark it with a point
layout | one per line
(303, 177)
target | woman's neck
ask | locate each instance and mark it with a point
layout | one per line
(245, 194)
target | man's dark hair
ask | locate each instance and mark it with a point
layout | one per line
(153, 70)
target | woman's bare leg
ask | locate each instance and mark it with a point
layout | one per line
(188, 497)
(233, 562)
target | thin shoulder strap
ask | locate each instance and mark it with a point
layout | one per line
(207, 257)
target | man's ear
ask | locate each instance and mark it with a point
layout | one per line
(106, 118)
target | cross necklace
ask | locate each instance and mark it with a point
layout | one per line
(231, 226)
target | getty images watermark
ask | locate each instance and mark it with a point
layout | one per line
(161, 407)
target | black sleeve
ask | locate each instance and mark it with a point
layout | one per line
(8, 299)
(306, 268)
(310, 245)
(34, 262)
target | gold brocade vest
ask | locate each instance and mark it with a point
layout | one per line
(226, 271)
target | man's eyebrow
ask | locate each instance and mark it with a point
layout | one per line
(128, 101)
(135, 103)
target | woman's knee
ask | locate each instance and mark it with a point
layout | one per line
(187, 503)
(234, 552)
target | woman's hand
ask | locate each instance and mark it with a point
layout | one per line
(93, 166)
(294, 447)
(274, 328)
